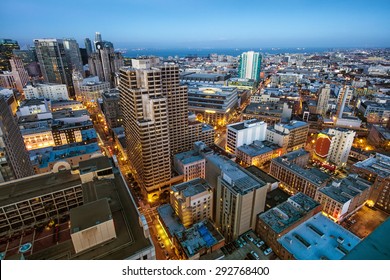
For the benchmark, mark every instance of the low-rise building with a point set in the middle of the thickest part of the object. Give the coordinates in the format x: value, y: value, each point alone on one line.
x: 277, y: 221
x: 318, y: 238
x: 291, y: 136
x: 270, y: 112
x: 202, y: 238
x: 192, y: 201
x: 111, y: 108
x: 258, y: 153
x: 379, y: 136
x: 376, y: 170
x: 46, y: 91
x: 342, y: 198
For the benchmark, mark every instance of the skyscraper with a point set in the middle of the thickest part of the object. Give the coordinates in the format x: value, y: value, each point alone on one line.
x: 344, y: 97
x: 323, y: 99
x: 6, y: 48
x: 54, y: 63
x: 340, y: 146
x: 250, y: 65
x: 145, y: 118
x: 14, y: 160
x: 105, y: 62
x: 98, y: 39
x: 155, y: 116
x: 73, y: 54
x: 88, y: 46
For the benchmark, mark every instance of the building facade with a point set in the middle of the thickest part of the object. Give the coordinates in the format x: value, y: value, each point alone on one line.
x: 46, y: 91
x: 250, y: 65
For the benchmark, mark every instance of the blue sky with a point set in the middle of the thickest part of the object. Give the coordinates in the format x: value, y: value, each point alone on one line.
x: 202, y: 23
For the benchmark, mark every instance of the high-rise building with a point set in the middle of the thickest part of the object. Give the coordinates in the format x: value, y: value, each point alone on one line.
x: 244, y: 132
x: 155, y: 117
x: 250, y: 65
x: 291, y: 136
x: 238, y: 196
x: 14, y: 160
x: 53, y: 61
x: 6, y: 48
x: 343, y: 98
x: 323, y: 99
x: 145, y: 119
x: 88, y: 46
x: 111, y: 108
x: 73, y: 54
x: 30, y: 61
x: 105, y: 62
x: 98, y: 38
x: 340, y: 145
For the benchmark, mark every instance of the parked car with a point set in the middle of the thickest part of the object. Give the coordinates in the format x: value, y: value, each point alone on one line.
x: 267, y: 251
x: 253, y: 253
x: 260, y: 243
x: 249, y: 237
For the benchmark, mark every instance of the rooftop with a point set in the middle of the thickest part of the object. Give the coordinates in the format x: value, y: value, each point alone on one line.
x: 288, y: 213
x: 191, y: 188
x: 89, y: 215
x: 319, y: 238
x: 171, y: 220
x: 189, y: 157
x: 94, y: 164
x: 380, y: 164
x: 375, y: 246
x: 346, y: 189
x: 384, y: 131
x: 264, y: 176
x: 199, y: 236
x: 246, y: 124
x: 257, y: 148
x: 294, y: 124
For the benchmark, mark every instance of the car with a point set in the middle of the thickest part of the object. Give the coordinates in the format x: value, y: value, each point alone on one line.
x: 239, y: 243
x: 249, y: 237
x: 267, y: 251
x: 260, y: 243
x: 161, y: 245
x: 242, y: 240
x: 253, y: 253
x: 158, y: 237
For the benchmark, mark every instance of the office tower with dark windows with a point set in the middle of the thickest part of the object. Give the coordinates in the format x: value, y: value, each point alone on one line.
x: 53, y: 61
x: 73, y: 54
x: 6, y: 48
x: 14, y: 160
x: 88, y: 46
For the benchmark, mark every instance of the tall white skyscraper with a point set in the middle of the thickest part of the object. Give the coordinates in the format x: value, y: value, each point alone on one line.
x: 250, y: 65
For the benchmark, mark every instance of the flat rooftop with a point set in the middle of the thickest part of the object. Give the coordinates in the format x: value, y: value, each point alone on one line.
x: 346, y: 189
x: 191, y: 188
x: 38, y: 185
x: 89, y: 215
x: 199, y: 236
x: 380, y: 164
x: 256, y: 148
x: 170, y: 219
x: 289, y: 212
x: 375, y: 246
x: 384, y: 131
x: 246, y: 124
x: 189, y: 157
x: 319, y: 238
x: 294, y: 124
x: 262, y: 175
x: 94, y: 164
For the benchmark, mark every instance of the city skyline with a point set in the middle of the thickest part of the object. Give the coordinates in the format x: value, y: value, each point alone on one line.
x: 241, y: 24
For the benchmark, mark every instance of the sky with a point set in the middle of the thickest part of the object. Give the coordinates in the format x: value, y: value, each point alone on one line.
x: 201, y: 23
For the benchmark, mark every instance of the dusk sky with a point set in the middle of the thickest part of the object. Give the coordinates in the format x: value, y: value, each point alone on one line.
x: 202, y: 23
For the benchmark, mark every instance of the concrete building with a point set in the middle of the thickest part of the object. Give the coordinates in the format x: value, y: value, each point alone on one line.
x: 46, y: 91
x: 250, y: 65
x: 201, y: 239
x: 271, y: 181
x: 73, y: 54
x: 376, y: 113
x: 244, y: 132
x: 294, y: 178
x: 318, y: 238
x: 323, y: 99
x: 14, y: 160
x: 192, y: 164
x: 89, y: 90
x: 6, y: 48
x: 379, y: 136
x: 340, y: 145
x: 155, y: 117
x: 377, y: 171
x: 291, y: 136
x: 344, y: 97
x: 278, y: 221
x: 258, y: 153
x: 111, y: 108
x: 342, y: 198
x: 212, y: 104
x: 239, y: 196
x: 192, y: 201
x: 84, y: 209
